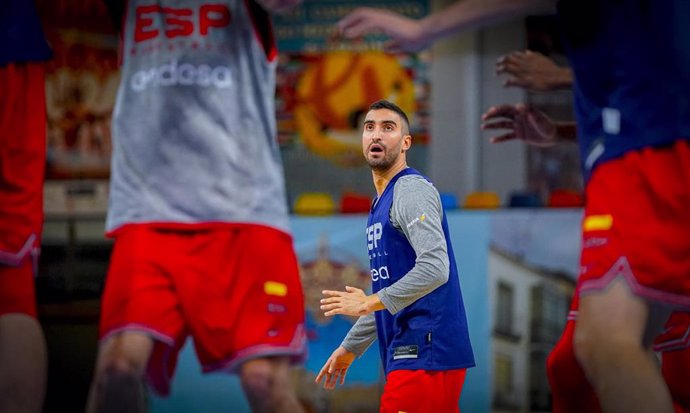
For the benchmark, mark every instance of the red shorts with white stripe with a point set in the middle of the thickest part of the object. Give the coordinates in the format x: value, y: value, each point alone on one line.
x: 676, y: 333
x: 17, y: 293
x: 422, y: 391
x: 233, y: 288
x: 637, y: 225
x: 22, y: 166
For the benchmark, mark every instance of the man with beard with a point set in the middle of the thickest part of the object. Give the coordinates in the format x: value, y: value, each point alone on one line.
x: 416, y: 308
x: 631, y: 64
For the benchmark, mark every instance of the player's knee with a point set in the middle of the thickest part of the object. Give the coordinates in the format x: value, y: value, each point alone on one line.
x: 262, y: 381
x: 595, y: 346
x: 258, y: 380
x: 118, y: 374
x: 120, y: 388
x: 120, y: 366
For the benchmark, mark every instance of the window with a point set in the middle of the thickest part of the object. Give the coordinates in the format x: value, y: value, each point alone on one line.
x: 540, y: 396
x: 503, y: 381
x: 504, y: 374
x: 504, y: 309
x: 549, y: 313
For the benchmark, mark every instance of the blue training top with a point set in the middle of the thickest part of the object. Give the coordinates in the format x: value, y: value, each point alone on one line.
x: 631, y: 60
x: 21, y: 36
x: 431, y: 333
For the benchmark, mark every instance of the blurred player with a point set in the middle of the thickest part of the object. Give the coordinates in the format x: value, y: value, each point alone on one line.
x: 570, y: 388
x: 22, y: 165
x: 198, y: 208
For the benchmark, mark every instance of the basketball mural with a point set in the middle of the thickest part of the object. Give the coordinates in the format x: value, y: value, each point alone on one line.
x: 333, y: 95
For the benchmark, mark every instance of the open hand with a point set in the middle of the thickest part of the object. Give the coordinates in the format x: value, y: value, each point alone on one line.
x: 352, y: 301
x: 524, y: 122
x: 335, y: 369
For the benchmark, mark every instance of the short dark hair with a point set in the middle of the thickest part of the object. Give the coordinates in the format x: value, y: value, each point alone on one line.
x: 384, y: 104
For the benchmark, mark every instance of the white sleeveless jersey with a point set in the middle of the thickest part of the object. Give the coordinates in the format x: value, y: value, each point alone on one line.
x: 194, y: 130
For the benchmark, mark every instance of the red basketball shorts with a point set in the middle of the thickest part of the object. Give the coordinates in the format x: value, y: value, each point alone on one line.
x: 422, y: 391
x: 17, y: 293
x: 22, y: 166
x: 637, y: 225
x: 235, y: 289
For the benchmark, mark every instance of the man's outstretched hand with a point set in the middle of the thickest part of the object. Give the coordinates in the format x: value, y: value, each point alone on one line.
x: 352, y: 301
x: 523, y: 122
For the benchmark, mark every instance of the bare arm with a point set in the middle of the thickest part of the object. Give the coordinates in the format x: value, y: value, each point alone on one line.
x: 413, y: 35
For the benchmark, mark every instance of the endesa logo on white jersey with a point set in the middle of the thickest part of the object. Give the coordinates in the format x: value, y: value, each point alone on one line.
x: 157, y: 27
x: 186, y: 74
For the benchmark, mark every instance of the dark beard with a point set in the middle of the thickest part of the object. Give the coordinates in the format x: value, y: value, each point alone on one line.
x: 381, y: 164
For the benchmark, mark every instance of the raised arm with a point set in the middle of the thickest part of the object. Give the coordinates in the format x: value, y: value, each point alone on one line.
x: 413, y: 35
